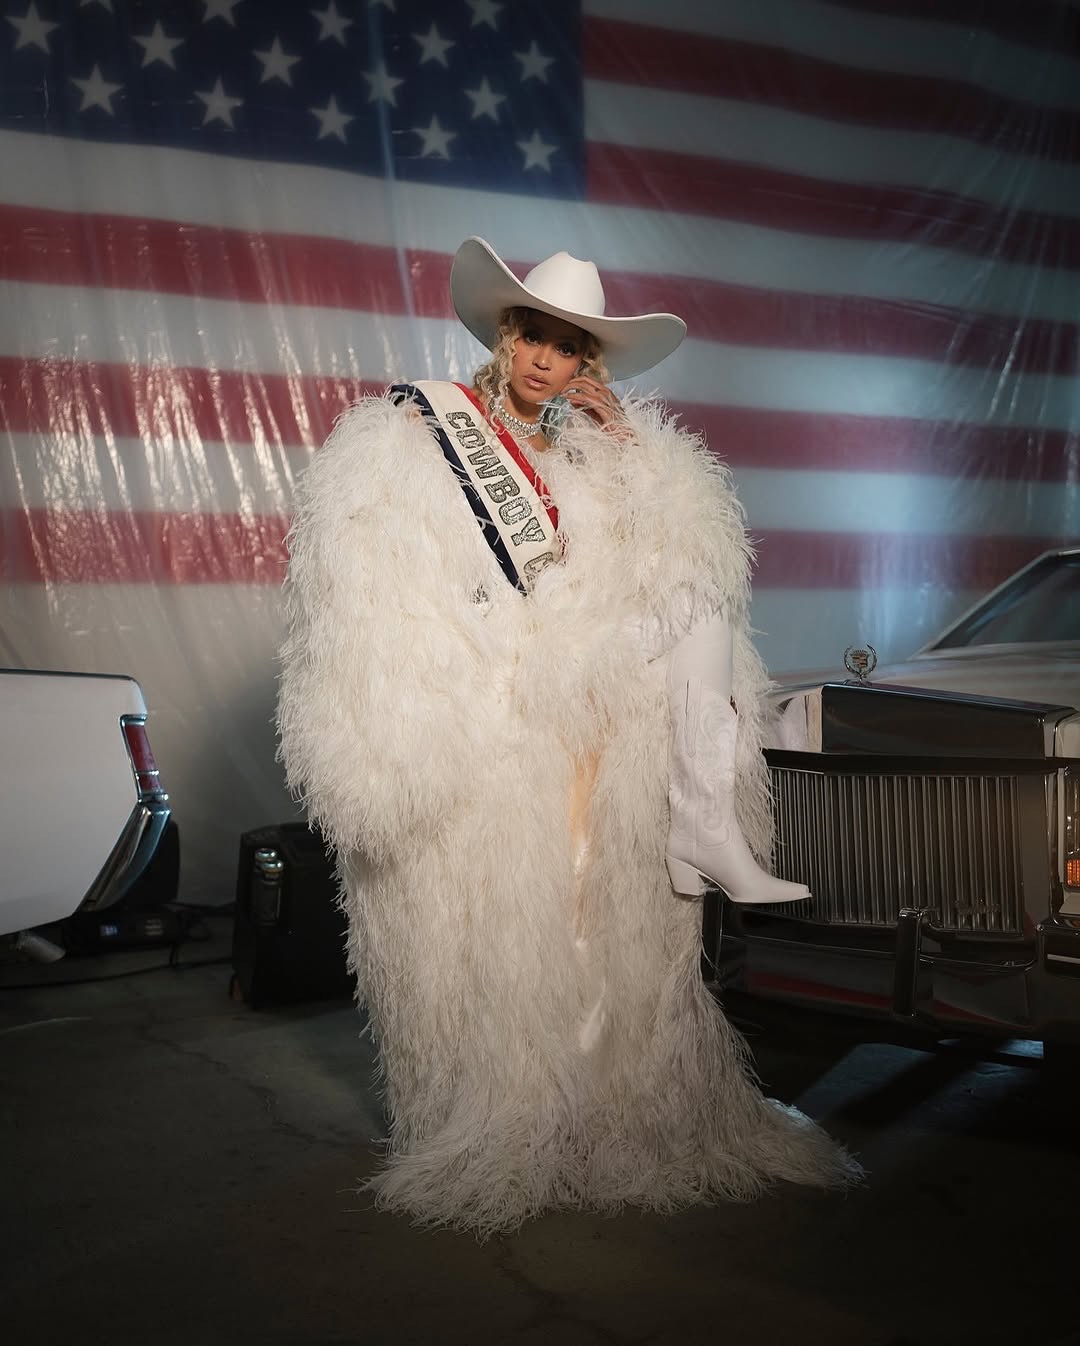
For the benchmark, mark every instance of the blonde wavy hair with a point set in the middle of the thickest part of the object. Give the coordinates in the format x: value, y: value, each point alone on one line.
x: 493, y: 378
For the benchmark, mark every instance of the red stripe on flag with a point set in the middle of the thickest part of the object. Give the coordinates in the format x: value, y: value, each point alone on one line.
x: 170, y: 257
x: 112, y: 547
x: 108, y: 547
x: 65, y: 397
x: 52, y: 247
x: 727, y: 189
x: 720, y: 67
x: 788, y: 559
x: 849, y: 325
x: 75, y: 400
x: 756, y: 437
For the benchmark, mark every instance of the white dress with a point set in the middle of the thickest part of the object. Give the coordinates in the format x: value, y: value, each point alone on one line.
x: 492, y: 770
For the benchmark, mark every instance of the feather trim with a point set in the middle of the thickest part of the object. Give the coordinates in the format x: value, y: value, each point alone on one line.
x: 432, y: 719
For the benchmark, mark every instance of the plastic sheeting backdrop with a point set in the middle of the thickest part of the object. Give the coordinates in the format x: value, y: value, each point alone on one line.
x: 223, y: 220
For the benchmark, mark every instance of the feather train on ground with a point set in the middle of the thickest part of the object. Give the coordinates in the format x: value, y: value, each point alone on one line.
x: 532, y: 981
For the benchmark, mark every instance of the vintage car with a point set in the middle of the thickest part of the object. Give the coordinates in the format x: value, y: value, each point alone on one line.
x: 933, y: 808
x: 82, y: 808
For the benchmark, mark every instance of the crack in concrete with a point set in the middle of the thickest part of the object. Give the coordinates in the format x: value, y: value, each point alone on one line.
x: 551, y: 1308
x: 267, y: 1096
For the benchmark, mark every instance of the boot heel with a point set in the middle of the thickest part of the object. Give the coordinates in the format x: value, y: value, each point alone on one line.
x: 685, y: 878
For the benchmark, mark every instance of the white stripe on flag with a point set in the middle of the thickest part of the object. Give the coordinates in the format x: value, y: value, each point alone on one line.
x: 888, y: 502
x: 129, y: 326
x: 832, y: 151
x: 816, y: 627
x: 167, y: 474
x: 160, y: 474
x: 55, y: 174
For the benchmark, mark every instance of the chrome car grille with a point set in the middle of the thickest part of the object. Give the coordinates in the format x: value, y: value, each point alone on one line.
x: 868, y: 844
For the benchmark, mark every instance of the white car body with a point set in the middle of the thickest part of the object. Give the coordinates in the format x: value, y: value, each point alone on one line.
x: 78, y: 819
x: 1047, y: 673
x: 932, y: 806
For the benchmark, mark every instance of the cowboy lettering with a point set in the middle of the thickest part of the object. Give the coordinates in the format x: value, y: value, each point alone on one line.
x: 502, y: 491
x: 517, y: 529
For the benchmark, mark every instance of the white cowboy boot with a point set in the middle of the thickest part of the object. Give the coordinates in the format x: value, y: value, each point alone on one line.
x: 705, y: 843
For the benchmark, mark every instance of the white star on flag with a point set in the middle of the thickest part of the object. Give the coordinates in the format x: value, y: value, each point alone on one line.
x: 433, y: 46
x: 276, y: 63
x: 534, y: 63
x: 332, y: 121
x: 537, y: 152
x: 96, y: 91
x: 219, y: 9
x: 485, y: 101
x: 219, y: 106
x: 158, y: 47
x: 33, y: 30
x: 436, y: 139
x: 332, y: 25
x: 383, y: 84
x: 483, y: 11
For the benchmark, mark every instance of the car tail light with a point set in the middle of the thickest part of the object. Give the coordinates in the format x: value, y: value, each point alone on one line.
x: 1072, y: 827
x: 147, y: 775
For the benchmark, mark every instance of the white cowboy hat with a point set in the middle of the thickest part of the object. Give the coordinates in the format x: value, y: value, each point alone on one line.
x: 482, y: 286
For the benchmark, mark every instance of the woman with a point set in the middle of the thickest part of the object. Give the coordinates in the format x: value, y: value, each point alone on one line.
x: 489, y: 620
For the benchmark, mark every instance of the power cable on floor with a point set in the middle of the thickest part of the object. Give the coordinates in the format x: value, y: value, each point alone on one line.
x: 194, y: 929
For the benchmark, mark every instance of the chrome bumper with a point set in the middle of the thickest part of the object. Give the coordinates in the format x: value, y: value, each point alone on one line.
x: 131, y: 854
x: 922, y: 824
x: 1031, y: 989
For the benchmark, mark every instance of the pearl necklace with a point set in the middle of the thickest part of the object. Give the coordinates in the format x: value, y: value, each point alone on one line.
x: 516, y: 426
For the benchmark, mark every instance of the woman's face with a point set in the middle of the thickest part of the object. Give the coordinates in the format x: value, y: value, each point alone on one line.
x: 547, y: 355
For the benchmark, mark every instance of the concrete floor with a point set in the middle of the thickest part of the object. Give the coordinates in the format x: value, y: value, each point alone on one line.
x: 178, y: 1168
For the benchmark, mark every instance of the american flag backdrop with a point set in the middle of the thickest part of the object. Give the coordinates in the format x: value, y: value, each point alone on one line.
x: 222, y: 220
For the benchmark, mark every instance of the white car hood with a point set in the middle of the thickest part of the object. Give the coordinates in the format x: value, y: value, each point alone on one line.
x: 1045, y: 673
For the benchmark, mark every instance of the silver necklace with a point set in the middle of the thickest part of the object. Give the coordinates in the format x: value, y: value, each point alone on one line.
x: 516, y: 426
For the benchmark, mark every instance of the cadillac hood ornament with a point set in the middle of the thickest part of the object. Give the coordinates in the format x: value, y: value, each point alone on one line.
x: 860, y: 663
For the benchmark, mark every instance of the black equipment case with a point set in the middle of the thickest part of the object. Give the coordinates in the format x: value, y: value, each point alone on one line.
x: 289, y: 935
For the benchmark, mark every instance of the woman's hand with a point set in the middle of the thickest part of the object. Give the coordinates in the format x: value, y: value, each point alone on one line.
x: 595, y: 399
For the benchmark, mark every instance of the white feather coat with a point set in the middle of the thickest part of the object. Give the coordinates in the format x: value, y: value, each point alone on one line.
x: 544, y: 1035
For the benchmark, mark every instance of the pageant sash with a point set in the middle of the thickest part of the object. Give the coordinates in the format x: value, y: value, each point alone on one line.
x: 511, y: 504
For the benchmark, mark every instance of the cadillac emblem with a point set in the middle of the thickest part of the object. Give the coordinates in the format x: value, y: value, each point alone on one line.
x: 860, y: 663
